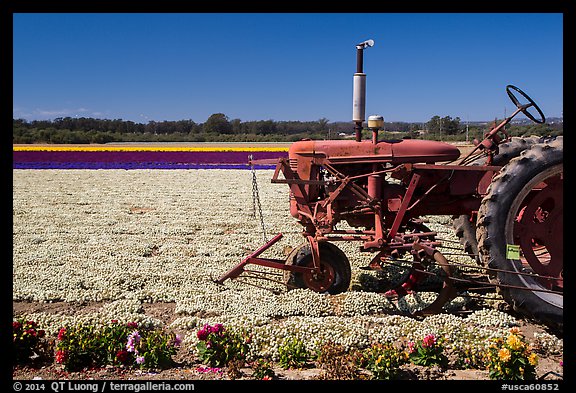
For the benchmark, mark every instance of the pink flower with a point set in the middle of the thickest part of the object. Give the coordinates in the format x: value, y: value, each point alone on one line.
x: 429, y: 341
x: 218, y: 328
x: 202, y: 369
x: 411, y: 348
x: 140, y: 359
x: 177, y: 340
x: 133, y: 340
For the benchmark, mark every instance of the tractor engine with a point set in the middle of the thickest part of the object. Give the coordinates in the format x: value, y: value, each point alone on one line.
x: 321, y: 200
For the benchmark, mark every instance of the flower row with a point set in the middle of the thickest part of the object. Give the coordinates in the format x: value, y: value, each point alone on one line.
x: 129, y: 345
x: 90, y: 345
x: 511, y: 358
x: 148, y: 147
x: 78, y: 159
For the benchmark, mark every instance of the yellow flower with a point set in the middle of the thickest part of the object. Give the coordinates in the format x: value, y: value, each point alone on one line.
x: 533, y: 359
x: 514, y: 342
x: 504, y: 354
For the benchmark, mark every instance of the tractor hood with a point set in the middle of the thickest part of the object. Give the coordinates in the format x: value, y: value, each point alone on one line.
x: 392, y: 151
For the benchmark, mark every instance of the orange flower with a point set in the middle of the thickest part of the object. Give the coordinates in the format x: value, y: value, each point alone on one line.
x: 515, y: 330
x: 504, y: 354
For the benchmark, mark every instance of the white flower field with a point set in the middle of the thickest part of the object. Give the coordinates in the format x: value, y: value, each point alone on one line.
x: 129, y: 237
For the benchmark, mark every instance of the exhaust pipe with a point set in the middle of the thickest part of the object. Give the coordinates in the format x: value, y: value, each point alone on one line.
x: 359, y: 90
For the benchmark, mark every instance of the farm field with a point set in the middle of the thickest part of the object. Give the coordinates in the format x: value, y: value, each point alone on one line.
x: 145, y: 245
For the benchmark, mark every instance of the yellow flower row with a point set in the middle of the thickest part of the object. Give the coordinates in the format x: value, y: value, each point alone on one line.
x: 146, y: 148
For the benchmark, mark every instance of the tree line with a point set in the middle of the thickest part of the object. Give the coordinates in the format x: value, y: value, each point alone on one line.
x: 219, y: 128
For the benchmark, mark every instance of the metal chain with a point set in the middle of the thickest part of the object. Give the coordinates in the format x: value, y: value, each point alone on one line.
x: 256, y: 199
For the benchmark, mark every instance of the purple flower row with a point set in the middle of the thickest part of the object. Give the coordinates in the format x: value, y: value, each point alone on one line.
x: 131, y: 165
x: 141, y: 159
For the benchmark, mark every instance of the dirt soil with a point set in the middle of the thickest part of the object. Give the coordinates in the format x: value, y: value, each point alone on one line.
x: 188, y: 367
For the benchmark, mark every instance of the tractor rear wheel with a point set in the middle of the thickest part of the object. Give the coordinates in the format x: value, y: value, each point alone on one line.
x: 335, y: 272
x: 465, y: 225
x: 520, y: 232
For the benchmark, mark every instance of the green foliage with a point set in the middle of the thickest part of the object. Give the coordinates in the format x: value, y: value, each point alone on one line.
x: 219, y: 346
x: 293, y: 353
x: 384, y: 360
x: 157, y: 348
x: 512, y: 359
x: 218, y: 128
x: 428, y: 351
x: 78, y: 347
x: 82, y: 346
x: 469, y: 356
x: 28, y: 341
x: 262, y: 369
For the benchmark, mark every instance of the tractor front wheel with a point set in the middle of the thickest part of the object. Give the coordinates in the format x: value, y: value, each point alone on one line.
x: 333, y: 277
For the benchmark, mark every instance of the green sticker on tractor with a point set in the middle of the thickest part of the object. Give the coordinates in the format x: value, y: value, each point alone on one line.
x: 512, y: 251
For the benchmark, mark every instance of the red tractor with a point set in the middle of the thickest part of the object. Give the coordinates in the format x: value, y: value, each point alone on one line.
x: 505, y: 197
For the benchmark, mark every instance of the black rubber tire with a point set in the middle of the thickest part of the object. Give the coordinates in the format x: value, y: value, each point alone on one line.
x: 495, y: 219
x: 464, y: 226
x: 329, y: 255
x: 465, y: 230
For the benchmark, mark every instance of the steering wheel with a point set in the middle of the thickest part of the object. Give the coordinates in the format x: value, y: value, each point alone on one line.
x: 524, y: 107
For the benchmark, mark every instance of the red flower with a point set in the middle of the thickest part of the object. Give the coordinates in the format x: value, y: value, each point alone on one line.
x: 202, y: 334
x: 61, y: 356
x: 132, y: 325
x: 41, y: 333
x: 123, y: 356
x: 61, y: 334
x: 16, y: 325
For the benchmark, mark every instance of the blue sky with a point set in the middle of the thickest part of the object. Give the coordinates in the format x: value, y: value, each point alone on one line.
x: 282, y: 66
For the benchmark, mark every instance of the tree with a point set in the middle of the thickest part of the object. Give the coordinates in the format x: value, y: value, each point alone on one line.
x: 433, y: 125
x: 217, y: 123
x: 322, y: 124
x: 445, y: 125
x: 236, y: 126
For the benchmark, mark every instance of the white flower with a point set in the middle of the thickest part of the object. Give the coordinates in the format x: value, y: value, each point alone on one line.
x: 126, y: 238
